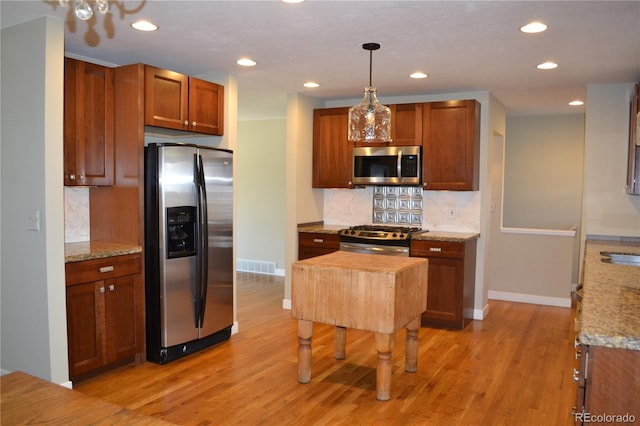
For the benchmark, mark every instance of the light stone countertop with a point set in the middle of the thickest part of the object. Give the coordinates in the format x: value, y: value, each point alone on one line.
x: 89, y: 250
x: 610, y: 314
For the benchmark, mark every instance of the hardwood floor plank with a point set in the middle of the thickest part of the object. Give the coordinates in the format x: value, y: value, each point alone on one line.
x: 512, y: 368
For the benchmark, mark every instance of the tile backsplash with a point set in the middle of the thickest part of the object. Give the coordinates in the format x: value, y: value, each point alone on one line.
x: 456, y: 211
x: 77, y: 226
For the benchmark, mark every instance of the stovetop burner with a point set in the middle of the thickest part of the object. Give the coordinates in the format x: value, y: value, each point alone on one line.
x: 378, y: 233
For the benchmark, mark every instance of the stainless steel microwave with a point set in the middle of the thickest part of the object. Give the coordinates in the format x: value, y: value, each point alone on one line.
x: 387, y: 165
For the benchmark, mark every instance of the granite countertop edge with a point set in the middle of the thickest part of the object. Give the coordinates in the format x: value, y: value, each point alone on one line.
x: 90, y: 250
x: 427, y: 235
x: 611, y: 298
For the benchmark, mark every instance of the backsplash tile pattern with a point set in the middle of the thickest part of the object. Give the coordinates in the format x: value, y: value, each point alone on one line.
x: 77, y: 226
x: 400, y: 205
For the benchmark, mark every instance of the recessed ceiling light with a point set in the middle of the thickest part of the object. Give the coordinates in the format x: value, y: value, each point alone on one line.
x: 292, y: 1
x: 533, y: 27
x: 144, y: 26
x: 246, y: 62
x: 418, y: 74
x: 311, y: 83
x: 547, y: 65
x: 576, y: 103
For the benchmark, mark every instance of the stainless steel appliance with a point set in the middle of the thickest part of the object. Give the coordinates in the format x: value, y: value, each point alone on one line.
x: 188, y: 248
x: 387, y: 165
x: 378, y: 239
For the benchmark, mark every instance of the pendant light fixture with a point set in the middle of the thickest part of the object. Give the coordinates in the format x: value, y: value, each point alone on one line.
x: 370, y: 121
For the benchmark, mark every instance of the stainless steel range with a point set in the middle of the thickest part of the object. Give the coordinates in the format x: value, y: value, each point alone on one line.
x: 378, y: 239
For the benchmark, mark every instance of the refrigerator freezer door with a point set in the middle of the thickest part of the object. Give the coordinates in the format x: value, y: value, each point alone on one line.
x: 218, y: 170
x: 177, y: 275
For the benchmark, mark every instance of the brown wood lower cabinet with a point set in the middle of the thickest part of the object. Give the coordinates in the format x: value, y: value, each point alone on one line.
x: 311, y: 244
x: 105, y: 313
x: 608, y: 385
x: 451, y: 283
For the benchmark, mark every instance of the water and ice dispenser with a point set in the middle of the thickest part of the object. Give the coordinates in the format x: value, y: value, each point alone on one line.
x: 181, y: 231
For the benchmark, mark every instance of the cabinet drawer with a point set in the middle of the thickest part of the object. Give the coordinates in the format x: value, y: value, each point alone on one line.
x: 102, y: 269
x: 425, y: 248
x: 319, y: 240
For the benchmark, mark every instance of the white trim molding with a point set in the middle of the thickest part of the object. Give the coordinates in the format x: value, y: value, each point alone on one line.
x: 563, y: 302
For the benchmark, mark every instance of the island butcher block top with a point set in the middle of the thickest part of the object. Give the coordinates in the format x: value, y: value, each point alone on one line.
x: 369, y: 292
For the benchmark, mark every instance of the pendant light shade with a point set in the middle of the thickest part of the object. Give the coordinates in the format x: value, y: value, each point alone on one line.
x: 370, y: 121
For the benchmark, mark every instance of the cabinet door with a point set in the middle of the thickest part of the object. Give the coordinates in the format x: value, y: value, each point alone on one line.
x: 123, y: 317
x: 451, y: 145
x: 85, y: 327
x: 88, y: 124
x: 406, y: 124
x: 444, y: 295
x: 633, y: 166
x: 332, y: 151
x: 166, y: 99
x: 206, y: 107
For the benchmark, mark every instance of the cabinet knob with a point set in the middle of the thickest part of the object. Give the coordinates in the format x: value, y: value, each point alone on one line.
x: 112, y: 287
x: 193, y: 124
x: 101, y: 289
x: 81, y: 177
x: 186, y: 122
x: 72, y: 177
x: 576, y: 375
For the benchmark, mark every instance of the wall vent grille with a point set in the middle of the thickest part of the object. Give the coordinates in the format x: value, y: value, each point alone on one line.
x: 256, y: 266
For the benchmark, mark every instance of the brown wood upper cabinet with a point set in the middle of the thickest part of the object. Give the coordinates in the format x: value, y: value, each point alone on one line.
x: 179, y: 102
x: 88, y: 124
x: 332, y: 151
x: 406, y: 126
x: 451, y: 145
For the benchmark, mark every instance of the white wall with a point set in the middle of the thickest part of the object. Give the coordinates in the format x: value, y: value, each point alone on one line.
x: 607, y: 209
x: 543, y: 171
x: 34, y: 333
x: 262, y: 195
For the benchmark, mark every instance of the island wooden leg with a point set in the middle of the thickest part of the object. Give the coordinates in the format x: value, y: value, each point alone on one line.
x: 411, y: 348
x: 340, y: 338
x: 305, y: 333
x: 384, y: 346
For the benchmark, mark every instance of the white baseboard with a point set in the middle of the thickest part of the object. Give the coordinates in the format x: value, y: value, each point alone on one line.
x: 480, y: 314
x: 68, y: 384
x: 286, y: 304
x: 564, y: 302
x: 234, y: 327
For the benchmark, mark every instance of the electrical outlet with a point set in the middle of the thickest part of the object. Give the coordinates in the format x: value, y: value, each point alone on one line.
x: 451, y: 213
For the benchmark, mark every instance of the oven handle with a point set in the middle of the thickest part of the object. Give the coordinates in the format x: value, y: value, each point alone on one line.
x: 389, y: 250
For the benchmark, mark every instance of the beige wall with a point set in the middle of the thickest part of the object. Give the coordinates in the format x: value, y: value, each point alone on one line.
x: 543, y: 171
x: 261, y: 191
x: 607, y: 209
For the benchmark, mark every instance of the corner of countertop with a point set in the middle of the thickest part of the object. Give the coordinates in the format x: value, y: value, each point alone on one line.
x: 89, y: 250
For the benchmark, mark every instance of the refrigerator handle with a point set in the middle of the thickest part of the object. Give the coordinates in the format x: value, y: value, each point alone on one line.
x: 203, y: 242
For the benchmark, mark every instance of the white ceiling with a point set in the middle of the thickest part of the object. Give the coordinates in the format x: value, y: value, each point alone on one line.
x: 462, y: 45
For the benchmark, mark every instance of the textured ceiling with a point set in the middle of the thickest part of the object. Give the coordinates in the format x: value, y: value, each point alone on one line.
x: 462, y: 45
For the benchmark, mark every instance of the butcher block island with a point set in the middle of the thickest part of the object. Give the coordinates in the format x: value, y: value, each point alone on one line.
x: 376, y: 293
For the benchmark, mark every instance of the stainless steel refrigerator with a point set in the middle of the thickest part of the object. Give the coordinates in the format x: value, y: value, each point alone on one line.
x: 188, y: 248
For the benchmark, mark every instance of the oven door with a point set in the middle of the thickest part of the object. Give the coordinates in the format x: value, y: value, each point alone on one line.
x: 366, y: 248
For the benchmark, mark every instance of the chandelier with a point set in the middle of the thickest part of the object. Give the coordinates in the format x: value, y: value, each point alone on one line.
x: 370, y: 121
x: 83, y: 9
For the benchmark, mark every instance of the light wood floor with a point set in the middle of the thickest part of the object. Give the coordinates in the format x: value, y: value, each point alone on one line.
x: 513, y: 368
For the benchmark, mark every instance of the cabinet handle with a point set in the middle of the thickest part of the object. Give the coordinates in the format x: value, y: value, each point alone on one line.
x: 193, y: 124
x: 112, y: 287
x: 576, y: 375
x: 318, y: 240
x: 81, y: 177
x: 186, y: 122
x: 101, y: 289
x: 106, y: 269
x: 435, y: 249
x: 72, y: 177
